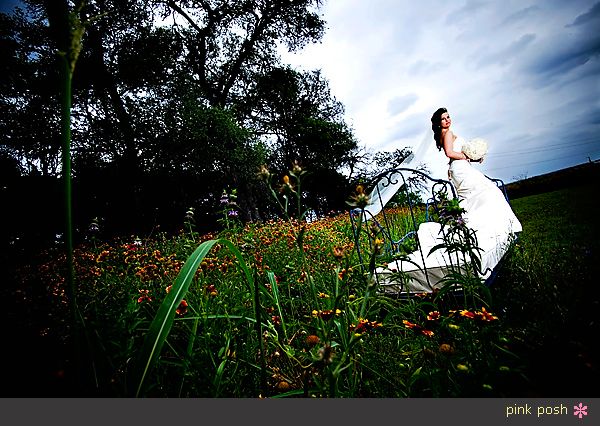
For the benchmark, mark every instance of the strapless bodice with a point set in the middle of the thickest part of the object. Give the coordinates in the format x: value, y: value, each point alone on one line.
x: 458, y: 144
x: 457, y: 147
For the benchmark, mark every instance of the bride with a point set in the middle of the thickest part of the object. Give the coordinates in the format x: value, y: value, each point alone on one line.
x: 486, y: 212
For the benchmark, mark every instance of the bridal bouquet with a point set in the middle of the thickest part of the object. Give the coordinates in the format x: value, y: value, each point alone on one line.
x: 475, y: 149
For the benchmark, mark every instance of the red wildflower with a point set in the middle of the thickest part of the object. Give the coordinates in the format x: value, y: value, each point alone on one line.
x: 427, y: 333
x: 326, y: 314
x: 409, y: 324
x: 365, y: 325
x: 467, y: 314
x: 417, y: 328
x: 144, y: 296
x: 182, y: 309
x: 484, y: 315
x: 102, y: 256
x: 433, y: 316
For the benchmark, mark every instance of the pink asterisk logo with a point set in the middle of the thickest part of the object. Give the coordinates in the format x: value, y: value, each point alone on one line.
x: 580, y: 410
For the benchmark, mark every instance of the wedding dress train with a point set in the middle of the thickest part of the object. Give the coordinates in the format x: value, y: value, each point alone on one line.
x: 486, y: 212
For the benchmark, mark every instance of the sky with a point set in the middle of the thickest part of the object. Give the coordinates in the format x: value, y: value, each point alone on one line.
x: 8, y: 5
x: 522, y: 74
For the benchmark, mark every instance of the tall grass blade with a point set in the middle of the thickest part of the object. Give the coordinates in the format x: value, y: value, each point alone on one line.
x: 162, y: 323
x: 275, y: 289
x: 67, y: 31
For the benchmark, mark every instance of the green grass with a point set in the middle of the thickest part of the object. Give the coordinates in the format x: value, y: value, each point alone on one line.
x: 549, y: 293
x: 563, y: 218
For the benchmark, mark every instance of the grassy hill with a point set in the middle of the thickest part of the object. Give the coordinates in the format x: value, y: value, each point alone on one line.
x: 548, y: 286
x: 559, y: 179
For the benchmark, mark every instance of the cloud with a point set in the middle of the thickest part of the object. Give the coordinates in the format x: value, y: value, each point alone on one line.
x: 521, y: 15
x: 400, y: 104
x: 567, y: 53
x: 592, y: 14
x: 584, y: 111
x: 559, y: 55
x: 503, y: 56
x: 521, y: 73
x: 485, y: 128
x: 422, y: 67
x: 410, y: 128
x: 471, y: 8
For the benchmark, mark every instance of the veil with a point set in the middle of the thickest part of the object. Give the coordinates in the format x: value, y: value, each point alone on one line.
x: 423, y: 153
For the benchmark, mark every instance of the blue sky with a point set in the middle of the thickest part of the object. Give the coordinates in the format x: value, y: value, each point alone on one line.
x: 525, y: 75
x: 8, y: 5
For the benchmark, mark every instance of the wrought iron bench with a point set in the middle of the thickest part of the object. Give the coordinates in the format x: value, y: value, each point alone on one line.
x: 384, y: 239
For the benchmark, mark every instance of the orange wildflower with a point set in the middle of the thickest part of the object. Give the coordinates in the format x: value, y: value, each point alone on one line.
x: 283, y: 385
x: 312, y: 340
x: 339, y: 253
x: 447, y: 349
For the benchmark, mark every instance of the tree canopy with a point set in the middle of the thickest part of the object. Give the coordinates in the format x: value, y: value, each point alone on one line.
x: 173, y: 102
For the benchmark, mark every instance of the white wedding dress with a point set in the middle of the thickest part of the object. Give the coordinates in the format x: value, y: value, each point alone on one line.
x: 486, y: 212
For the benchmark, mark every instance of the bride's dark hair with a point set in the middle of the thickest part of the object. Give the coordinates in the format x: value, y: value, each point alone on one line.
x: 436, y: 126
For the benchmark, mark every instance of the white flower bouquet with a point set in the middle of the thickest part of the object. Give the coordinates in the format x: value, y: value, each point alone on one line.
x: 475, y: 149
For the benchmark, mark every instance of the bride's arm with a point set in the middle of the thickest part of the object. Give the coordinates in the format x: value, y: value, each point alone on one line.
x: 449, y: 147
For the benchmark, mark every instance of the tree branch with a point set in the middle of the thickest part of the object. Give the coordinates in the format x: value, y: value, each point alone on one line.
x: 245, y: 51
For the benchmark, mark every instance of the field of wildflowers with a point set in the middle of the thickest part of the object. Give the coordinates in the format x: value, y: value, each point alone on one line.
x: 300, y: 325
x: 282, y: 308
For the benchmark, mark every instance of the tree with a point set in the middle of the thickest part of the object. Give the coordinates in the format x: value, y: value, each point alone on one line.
x: 28, y: 101
x: 302, y: 122
x: 230, y: 42
x: 158, y: 102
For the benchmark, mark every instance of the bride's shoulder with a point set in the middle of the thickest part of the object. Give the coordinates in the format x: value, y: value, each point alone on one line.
x: 449, y: 136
